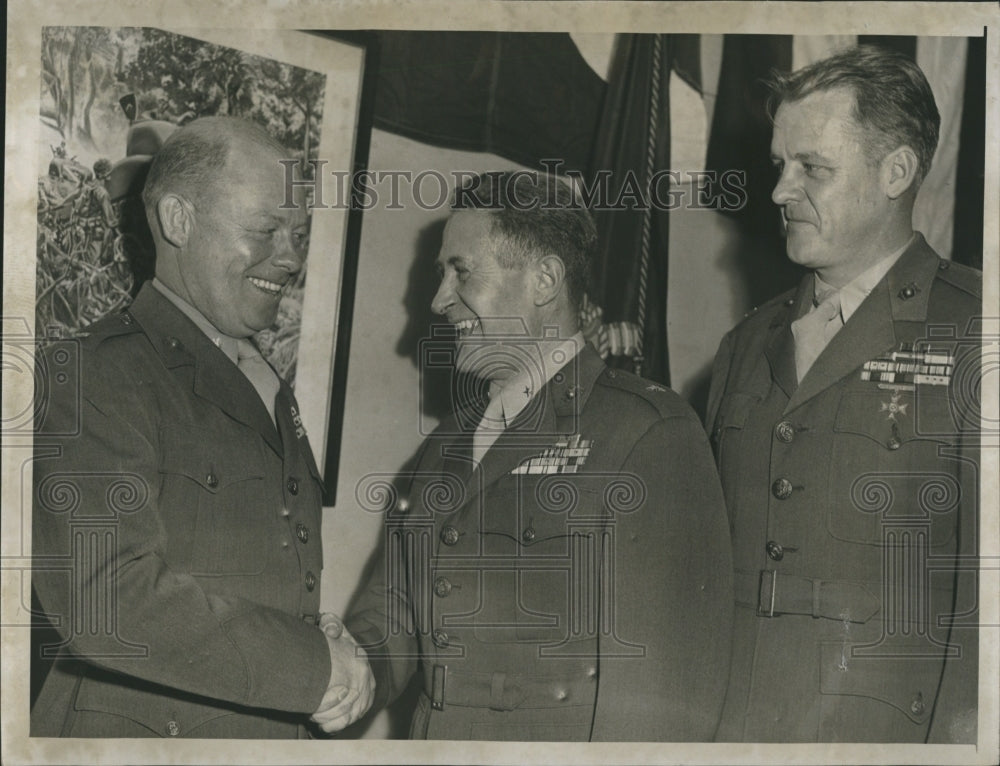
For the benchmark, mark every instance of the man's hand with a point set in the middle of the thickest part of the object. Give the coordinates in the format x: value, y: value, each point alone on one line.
x: 352, y: 685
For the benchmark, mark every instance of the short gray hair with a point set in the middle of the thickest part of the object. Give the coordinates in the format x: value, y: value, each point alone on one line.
x: 893, y: 102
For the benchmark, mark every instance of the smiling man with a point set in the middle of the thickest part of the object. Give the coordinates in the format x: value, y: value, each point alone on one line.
x: 844, y: 416
x: 559, y: 566
x: 183, y: 574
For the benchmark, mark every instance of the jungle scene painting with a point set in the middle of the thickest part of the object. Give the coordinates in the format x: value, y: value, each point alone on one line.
x: 110, y: 97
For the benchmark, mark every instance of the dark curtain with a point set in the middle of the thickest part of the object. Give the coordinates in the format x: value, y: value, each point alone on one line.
x: 740, y: 139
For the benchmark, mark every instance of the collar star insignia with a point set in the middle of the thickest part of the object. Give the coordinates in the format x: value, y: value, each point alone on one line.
x: 893, y: 406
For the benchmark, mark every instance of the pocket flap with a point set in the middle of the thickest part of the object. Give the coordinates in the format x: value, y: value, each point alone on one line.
x: 208, y: 459
x: 893, y: 418
x: 909, y: 684
x: 168, y: 716
x: 734, y: 410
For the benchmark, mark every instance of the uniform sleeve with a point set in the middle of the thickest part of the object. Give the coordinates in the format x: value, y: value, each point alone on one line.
x: 381, y: 620
x: 720, y: 376
x: 956, y: 708
x: 673, y: 595
x: 99, y: 543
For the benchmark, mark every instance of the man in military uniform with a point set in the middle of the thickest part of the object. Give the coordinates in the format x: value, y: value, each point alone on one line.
x: 559, y: 568
x: 177, y: 505
x: 844, y: 420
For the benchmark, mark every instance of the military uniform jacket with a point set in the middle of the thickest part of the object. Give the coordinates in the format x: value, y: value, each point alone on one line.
x: 852, y: 500
x: 574, y: 586
x: 175, y: 539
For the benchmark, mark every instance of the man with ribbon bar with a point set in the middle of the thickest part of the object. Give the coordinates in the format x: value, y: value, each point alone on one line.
x: 558, y: 568
x: 845, y: 416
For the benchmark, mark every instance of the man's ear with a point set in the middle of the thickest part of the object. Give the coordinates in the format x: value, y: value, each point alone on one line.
x: 899, y: 171
x: 550, y: 273
x: 176, y: 218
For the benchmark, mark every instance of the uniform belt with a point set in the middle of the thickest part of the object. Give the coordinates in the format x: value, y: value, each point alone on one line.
x: 500, y: 691
x: 772, y: 594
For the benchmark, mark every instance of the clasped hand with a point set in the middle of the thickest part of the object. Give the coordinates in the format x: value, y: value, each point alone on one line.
x: 352, y: 685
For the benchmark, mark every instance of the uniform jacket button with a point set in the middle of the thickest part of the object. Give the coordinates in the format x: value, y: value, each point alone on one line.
x: 907, y: 292
x: 449, y: 535
x: 310, y: 581
x: 442, y: 586
x: 302, y: 532
x: 893, y: 443
x: 782, y: 489
x: 212, y: 480
x: 774, y: 551
x: 292, y: 485
x: 528, y: 535
x: 173, y: 343
x: 173, y: 729
x: 917, y: 706
x: 785, y: 431
x: 440, y: 638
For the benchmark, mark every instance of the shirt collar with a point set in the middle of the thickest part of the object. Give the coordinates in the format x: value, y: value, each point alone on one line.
x: 515, y: 392
x: 227, y: 343
x: 854, y: 292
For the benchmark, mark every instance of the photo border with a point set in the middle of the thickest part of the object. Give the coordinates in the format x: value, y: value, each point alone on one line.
x: 24, y: 22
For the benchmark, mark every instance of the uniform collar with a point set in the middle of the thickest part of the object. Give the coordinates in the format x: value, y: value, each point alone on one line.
x: 894, y: 311
x: 854, y: 292
x: 181, y: 343
x: 515, y: 392
x: 227, y: 343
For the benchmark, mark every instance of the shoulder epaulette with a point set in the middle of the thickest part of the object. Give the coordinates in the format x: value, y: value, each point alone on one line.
x: 965, y: 278
x: 113, y: 325
x: 663, y: 399
x: 787, y: 298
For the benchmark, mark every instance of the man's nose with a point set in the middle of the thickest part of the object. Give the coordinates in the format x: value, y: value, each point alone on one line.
x: 288, y: 255
x: 787, y: 189
x: 443, y: 298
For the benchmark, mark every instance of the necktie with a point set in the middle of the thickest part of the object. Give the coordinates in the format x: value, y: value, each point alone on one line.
x: 813, y: 331
x: 258, y: 372
x: 489, y: 428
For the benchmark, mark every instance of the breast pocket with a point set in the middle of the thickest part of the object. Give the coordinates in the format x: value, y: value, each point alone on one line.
x: 892, y: 468
x: 547, y: 527
x: 213, y: 497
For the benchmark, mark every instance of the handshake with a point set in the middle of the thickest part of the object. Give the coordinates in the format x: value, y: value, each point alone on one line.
x: 352, y: 685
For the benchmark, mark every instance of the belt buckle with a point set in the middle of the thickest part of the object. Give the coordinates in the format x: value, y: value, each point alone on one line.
x: 765, y: 575
x: 439, y: 674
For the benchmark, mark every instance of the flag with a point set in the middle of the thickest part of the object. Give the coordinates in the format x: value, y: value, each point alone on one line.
x: 525, y: 97
x: 625, y: 314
